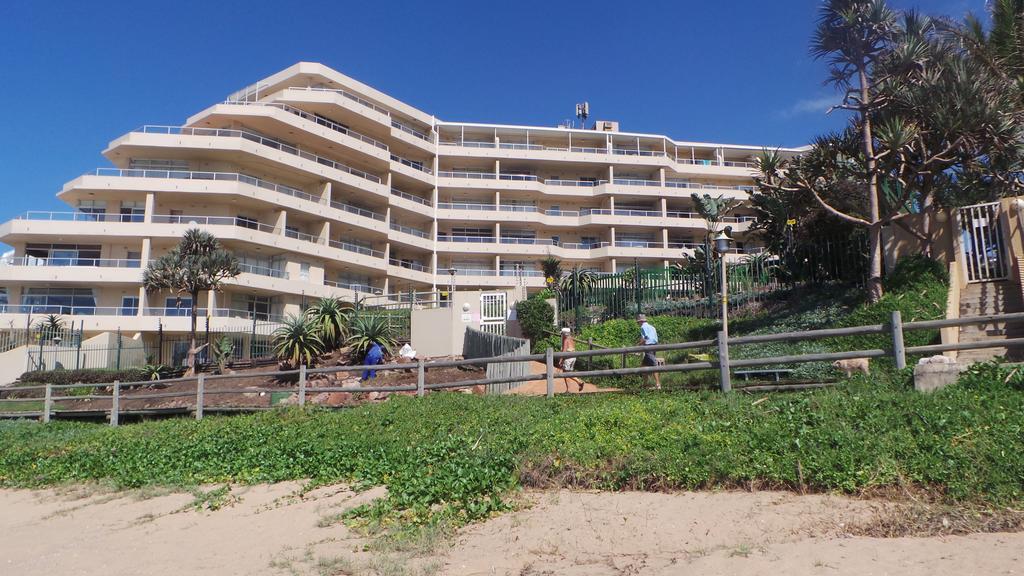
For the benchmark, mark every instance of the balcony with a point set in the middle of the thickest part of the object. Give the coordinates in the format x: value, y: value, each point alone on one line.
x: 315, y: 119
x: 262, y: 140
x: 84, y: 262
x: 348, y: 246
x: 357, y: 211
x: 411, y: 265
x: 409, y: 230
x: 262, y: 270
x: 355, y: 287
x: 411, y: 197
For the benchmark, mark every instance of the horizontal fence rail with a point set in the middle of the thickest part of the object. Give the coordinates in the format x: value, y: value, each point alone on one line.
x: 199, y: 392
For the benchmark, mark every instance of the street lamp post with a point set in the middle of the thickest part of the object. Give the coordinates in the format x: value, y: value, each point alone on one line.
x: 451, y: 286
x: 722, y: 242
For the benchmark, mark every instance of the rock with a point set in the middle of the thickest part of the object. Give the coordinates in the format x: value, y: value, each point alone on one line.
x: 350, y: 382
x: 373, y: 396
x: 291, y: 400
x: 930, y: 377
x: 320, y: 398
x: 940, y: 359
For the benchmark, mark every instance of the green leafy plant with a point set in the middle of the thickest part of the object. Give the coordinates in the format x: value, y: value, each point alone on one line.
x: 50, y: 327
x: 365, y: 328
x: 536, y: 319
x: 154, y: 371
x: 552, y: 268
x: 298, y: 341
x: 85, y: 376
x: 223, y: 351
x: 330, y: 316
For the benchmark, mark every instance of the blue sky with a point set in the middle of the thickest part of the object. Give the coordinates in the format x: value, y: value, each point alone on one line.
x: 78, y: 74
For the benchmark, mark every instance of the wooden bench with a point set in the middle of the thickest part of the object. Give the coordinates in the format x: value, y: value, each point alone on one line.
x: 776, y: 373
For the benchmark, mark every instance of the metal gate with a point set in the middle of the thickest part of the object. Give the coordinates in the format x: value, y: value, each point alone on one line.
x: 493, y: 311
x: 981, y: 243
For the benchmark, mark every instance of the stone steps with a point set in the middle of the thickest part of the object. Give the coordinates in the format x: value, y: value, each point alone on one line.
x: 987, y: 298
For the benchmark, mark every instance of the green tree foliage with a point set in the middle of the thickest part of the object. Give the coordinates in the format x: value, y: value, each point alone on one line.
x: 330, y: 316
x: 365, y: 328
x: 223, y: 351
x: 197, y: 264
x: 536, y: 319
x: 298, y: 341
x: 929, y: 124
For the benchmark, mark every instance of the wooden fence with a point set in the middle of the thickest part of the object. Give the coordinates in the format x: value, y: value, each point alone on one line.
x: 722, y: 364
x: 480, y: 344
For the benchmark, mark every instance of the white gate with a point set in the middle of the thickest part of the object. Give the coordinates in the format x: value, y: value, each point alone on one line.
x: 981, y: 243
x: 493, y: 311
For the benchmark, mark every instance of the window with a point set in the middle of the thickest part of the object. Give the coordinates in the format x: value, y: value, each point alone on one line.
x: 60, y: 300
x: 133, y: 211
x: 291, y: 231
x: 129, y: 305
x: 304, y: 271
x: 63, y: 254
x: 177, y: 307
x: 95, y: 208
x: 3, y: 298
x: 589, y: 241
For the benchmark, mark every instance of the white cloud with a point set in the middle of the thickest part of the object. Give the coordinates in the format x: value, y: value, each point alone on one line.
x: 818, y: 105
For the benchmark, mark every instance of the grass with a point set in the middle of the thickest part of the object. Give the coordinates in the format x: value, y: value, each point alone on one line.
x: 17, y: 406
x: 448, y: 459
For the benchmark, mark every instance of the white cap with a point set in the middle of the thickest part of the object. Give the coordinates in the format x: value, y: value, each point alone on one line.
x: 566, y: 330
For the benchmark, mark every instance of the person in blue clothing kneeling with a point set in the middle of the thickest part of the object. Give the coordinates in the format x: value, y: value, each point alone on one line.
x: 374, y: 356
x: 648, y: 337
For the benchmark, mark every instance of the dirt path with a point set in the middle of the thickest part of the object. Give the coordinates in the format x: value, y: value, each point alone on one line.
x: 268, y: 530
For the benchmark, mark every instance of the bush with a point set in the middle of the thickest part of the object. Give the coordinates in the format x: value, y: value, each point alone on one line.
x: 85, y: 376
x: 916, y: 270
x: 536, y: 319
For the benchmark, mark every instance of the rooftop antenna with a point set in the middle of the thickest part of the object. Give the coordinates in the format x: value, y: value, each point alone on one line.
x: 582, y: 111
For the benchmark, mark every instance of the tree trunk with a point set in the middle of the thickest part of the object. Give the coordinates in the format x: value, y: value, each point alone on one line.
x: 190, y: 362
x: 928, y: 210
x: 875, y: 231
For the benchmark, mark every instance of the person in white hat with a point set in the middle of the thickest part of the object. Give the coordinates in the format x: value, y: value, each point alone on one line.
x: 567, y: 364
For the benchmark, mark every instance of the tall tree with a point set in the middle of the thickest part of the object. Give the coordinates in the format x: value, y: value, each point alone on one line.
x: 852, y: 35
x: 198, y: 263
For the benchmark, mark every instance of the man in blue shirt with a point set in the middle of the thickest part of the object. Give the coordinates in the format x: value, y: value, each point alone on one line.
x: 374, y: 356
x: 648, y: 337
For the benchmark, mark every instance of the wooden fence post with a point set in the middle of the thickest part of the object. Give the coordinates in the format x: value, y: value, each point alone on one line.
x: 899, y: 352
x: 623, y: 359
x: 200, y: 385
x: 420, y: 377
x: 47, y: 402
x: 115, y: 404
x: 590, y: 346
x: 549, y: 370
x: 302, y: 385
x: 723, y: 362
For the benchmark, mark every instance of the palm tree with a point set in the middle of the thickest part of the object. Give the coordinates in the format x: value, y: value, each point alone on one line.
x: 198, y: 263
x: 298, y: 341
x: 552, y: 268
x: 330, y: 316
x: 50, y: 327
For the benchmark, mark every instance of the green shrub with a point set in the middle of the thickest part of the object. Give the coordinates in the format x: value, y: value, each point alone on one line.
x: 298, y: 341
x: 85, y: 376
x: 457, y: 456
x: 536, y: 319
x: 365, y: 329
x: 914, y: 270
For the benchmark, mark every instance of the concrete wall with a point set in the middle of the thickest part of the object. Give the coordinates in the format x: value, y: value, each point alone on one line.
x: 441, y: 331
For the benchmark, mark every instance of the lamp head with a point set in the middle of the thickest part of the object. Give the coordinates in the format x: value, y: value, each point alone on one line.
x: 722, y: 242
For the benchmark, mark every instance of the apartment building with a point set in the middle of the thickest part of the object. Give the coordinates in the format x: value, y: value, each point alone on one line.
x: 323, y: 186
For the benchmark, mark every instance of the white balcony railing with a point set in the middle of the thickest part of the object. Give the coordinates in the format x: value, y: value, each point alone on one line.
x: 410, y: 264
x: 467, y: 239
x: 467, y: 206
x: 86, y: 262
x: 355, y: 287
x: 262, y: 270
x: 409, y: 230
x: 635, y: 182
x: 357, y: 210
x: 356, y: 248
x: 411, y: 197
x: 213, y: 221
x: 269, y: 142
x: 315, y: 118
x: 414, y: 164
x: 218, y: 176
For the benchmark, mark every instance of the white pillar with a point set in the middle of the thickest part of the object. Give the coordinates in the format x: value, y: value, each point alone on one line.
x: 150, y: 206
